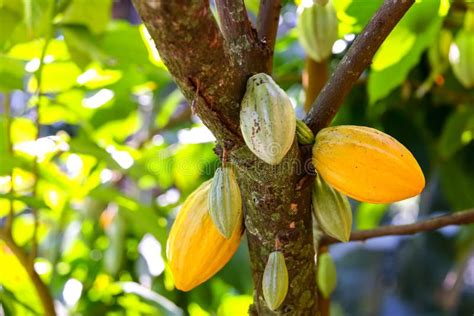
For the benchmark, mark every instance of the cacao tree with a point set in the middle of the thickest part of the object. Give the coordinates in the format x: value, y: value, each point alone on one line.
x: 106, y: 199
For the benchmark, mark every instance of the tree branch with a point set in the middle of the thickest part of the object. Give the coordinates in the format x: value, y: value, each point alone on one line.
x: 458, y: 218
x: 354, y: 62
x: 235, y: 25
x: 192, y: 47
x: 267, y: 25
x: 41, y: 289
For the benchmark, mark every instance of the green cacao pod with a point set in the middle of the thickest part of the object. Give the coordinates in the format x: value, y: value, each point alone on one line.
x: 366, y: 164
x: 304, y: 135
x: 195, y: 249
x: 326, y: 275
x: 318, y: 29
x: 332, y: 210
x: 275, y: 280
x: 225, y: 201
x: 267, y: 119
x: 461, y: 53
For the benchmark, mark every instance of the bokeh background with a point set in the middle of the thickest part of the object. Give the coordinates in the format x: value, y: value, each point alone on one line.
x: 83, y: 92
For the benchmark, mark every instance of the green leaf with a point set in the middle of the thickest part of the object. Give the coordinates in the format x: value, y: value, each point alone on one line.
x: 402, y: 49
x: 94, y: 15
x: 368, y: 215
x: 457, y: 179
x: 353, y: 15
x: 29, y: 50
x: 56, y: 77
x: 326, y: 275
x: 9, y: 20
x: 38, y: 15
x: 457, y: 132
x: 11, y: 73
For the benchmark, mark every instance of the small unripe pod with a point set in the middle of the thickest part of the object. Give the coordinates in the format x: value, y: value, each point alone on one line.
x: 318, y: 30
x: 267, y: 119
x: 275, y: 280
x: 326, y: 275
x: 225, y: 201
x: 304, y: 135
x: 332, y: 210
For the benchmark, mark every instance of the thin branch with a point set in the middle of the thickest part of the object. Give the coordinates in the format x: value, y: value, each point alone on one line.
x: 354, y: 62
x: 458, y: 218
x: 235, y: 23
x: 267, y: 25
x: 8, y: 137
x: 34, y: 245
x: 41, y: 289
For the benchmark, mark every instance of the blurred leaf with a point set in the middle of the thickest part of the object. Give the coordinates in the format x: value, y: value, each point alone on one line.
x: 38, y: 16
x: 30, y: 50
x: 17, y: 281
x: 11, y: 73
x: 457, y: 179
x: 402, y: 49
x: 458, y: 131
x: 22, y: 130
x: 353, y: 15
x: 9, y: 19
x: 368, y: 215
x: 56, y: 77
x: 7, y: 163
x: 94, y: 15
x: 235, y: 305
x: 142, y: 219
x: 168, y: 107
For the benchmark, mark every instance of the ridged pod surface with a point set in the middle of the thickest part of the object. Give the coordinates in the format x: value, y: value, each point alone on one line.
x: 267, y: 119
x: 461, y: 56
x: 275, y: 280
x: 195, y: 248
x: 326, y: 275
x: 318, y: 30
x: 332, y: 210
x: 366, y: 164
x: 304, y: 135
x: 225, y: 201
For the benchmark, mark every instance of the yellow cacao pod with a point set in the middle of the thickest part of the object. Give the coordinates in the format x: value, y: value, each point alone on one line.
x: 225, y: 201
x: 461, y: 54
x: 195, y: 248
x: 317, y: 29
x: 332, y: 210
x: 267, y: 119
x: 366, y: 164
x: 304, y: 135
x: 327, y: 276
x: 275, y: 280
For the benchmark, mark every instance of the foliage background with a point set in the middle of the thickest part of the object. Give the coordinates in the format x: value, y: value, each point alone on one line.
x: 118, y: 150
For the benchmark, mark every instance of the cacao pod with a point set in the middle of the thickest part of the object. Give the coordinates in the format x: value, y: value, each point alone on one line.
x: 195, y: 248
x: 304, y: 135
x: 275, y: 280
x: 332, y: 210
x: 366, y: 164
x: 461, y: 53
x: 225, y: 201
x: 317, y: 30
x: 326, y: 275
x: 267, y: 119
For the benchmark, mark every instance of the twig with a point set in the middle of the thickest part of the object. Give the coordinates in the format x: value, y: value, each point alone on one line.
x: 458, y: 218
x: 354, y: 62
x: 267, y: 25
